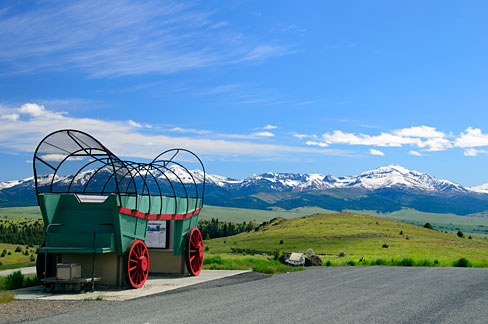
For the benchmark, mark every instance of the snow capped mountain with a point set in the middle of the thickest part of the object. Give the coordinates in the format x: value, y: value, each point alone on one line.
x: 392, y: 176
x: 481, y: 188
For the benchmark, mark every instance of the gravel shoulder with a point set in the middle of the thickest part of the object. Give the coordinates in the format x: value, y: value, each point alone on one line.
x: 24, y: 310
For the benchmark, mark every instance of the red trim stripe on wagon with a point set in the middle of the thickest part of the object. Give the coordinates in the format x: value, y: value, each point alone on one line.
x: 136, y: 213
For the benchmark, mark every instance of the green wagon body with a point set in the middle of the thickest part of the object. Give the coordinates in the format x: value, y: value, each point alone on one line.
x: 78, y: 221
x: 92, y: 202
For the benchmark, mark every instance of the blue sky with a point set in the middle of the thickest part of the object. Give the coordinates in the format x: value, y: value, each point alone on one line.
x: 252, y: 86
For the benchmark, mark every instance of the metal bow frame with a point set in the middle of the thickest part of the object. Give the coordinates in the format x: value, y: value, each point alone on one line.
x: 73, y: 162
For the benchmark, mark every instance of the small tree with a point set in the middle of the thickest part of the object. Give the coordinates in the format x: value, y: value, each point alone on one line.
x: 428, y: 225
x: 281, y: 241
x: 460, y: 234
x: 18, y: 249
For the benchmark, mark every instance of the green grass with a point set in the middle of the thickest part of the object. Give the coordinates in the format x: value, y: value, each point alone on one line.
x: 359, y: 236
x: 257, y: 263
x: 474, y: 224
x: 91, y: 298
x: 6, y: 296
x: 16, y: 259
x: 23, y: 213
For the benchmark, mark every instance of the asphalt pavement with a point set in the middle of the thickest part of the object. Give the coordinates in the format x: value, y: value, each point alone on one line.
x: 29, y: 270
x: 319, y: 295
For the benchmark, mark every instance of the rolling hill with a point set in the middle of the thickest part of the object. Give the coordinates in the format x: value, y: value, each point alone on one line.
x: 356, y: 235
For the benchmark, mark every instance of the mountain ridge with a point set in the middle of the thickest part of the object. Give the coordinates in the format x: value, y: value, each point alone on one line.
x: 386, y: 189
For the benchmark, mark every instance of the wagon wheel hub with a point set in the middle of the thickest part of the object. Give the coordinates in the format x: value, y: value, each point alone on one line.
x: 143, y: 264
x: 200, y: 251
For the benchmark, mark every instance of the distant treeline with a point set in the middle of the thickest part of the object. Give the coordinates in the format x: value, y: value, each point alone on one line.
x: 215, y: 229
x: 32, y: 233
x: 25, y: 233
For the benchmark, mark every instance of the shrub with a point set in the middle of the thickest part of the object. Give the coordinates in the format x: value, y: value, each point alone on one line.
x: 460, y: 234
x: 406, y: 262
x: 407, y: 238
x: 380, y: 262
x: 276, y: 254
x: 462, y: 262
x: 207, y: 248
x: 328, y: 263
x: 428, y: 225
x: 14, y: 281
x: 436, y: 262
x: 351, y: 263
x: 281, y: 241
x: 424, y: 263
x: 32, y: 258
x: 470, y: 237
x: 9, y: 253
x: 18, y: 249
x: 385, y: 246
x: 401, y: 232
x: 342, y: 254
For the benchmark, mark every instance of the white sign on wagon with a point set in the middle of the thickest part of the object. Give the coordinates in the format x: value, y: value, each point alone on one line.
x: 156, y: 234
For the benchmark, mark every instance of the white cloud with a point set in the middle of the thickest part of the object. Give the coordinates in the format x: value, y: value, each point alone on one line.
x: 190, y: 130
x: 415, y: 153
x: 376, y: 152
x: 474, y: 152
x: 270, y: 127
x: 121, y: 138
x: 134, y: 124
x: 60, y: 157
x: 427, y: 138
x: 321, y: 144
x: 32, y: 109
x: 12, y: 117
x: 471, y: 137
x: 301, y: 136
x: 384, y: 139
x: 264, y: 134
x: 420, y: 131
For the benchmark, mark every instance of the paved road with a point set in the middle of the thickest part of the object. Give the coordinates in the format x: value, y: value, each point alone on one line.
x: 321, y: 295
x: 28, y: 270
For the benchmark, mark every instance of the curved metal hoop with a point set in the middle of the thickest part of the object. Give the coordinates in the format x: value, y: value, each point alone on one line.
x: 62, y: 148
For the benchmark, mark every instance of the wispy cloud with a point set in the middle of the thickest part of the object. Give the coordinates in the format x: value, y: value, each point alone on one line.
x: 189, y: 130
x: 127, y: 138
x: 118, y: 38
x: 415, y: 153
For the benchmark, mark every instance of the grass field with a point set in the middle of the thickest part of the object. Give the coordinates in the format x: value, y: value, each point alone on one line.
x: 358, y: 236
x: 21, y: 213
x: 475, y: 224
x: 16, y: 259
x: 239, y: 215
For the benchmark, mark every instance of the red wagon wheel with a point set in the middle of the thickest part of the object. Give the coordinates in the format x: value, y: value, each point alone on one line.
x: 194, y: 252
x: 137, y: 264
